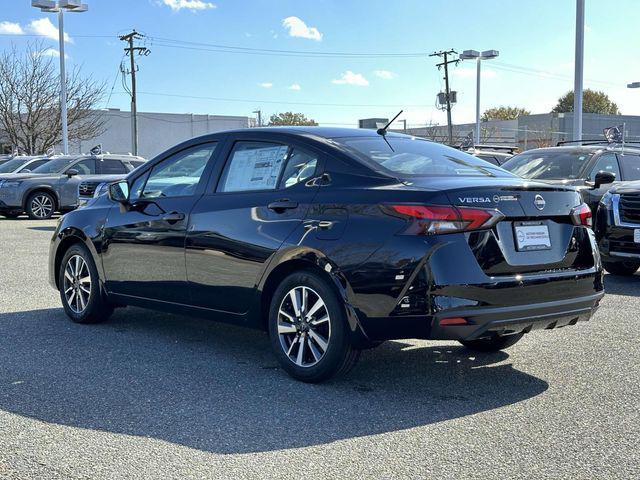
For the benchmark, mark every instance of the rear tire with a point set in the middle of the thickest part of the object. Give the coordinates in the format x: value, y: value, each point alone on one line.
x: 40, y: 206
x: 79, y: 284
x: 626, y: 268
x: 308, y: 329
x: 492, y: 344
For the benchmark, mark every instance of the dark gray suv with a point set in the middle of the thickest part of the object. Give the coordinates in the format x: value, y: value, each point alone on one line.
x: 54, y: 186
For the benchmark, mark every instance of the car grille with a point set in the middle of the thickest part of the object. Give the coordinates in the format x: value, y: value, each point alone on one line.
x: 630, y: 207
x: 87, y: 189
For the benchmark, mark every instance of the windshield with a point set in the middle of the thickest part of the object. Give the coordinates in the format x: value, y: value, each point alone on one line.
x: 11, y: 165
x: 410, y: 156
x: 55, y: 166
x: 548, y: 165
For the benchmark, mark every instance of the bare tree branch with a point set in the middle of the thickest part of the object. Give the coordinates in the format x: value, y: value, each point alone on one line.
x: 30, y: 101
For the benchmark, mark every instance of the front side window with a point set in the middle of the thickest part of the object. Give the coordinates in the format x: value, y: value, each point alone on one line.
x: 56, y: 165
x: 630, y: 166
x: 548, y: 165
x: 85, y: 167
x: 608, y: 162
x: 109, y: 166
x: 253, y: 166
x: 417, y: 157
x: 178, y: 175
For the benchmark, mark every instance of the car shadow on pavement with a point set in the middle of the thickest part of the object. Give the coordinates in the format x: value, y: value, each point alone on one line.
x: 217, y: 387
x: 622, y: 285
x: 43, y: 229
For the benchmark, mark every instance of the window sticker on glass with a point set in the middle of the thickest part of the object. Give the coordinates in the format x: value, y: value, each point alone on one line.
x: 255, y: 168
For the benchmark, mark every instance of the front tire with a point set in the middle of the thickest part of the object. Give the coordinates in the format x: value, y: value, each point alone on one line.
x: 308, y: 329
x: 626, y: 268
x: 494, y: 343
x: 79, y: 284
x: 40, y: 206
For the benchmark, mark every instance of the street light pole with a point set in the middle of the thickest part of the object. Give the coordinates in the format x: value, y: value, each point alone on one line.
x: 578, y: 76
x: 52, y: 6
x: 486, y: 55
x: 63, y: 86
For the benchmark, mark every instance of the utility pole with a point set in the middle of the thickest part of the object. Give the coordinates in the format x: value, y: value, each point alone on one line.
x: 578, y: 74
x: 131, y: 50
x: 445, y: 55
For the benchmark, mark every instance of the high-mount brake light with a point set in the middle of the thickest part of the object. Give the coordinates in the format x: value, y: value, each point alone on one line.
x: 581, y: 215
x: 438, y: 219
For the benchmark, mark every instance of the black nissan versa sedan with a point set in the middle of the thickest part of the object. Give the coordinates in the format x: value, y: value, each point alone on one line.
x: 332, y: 240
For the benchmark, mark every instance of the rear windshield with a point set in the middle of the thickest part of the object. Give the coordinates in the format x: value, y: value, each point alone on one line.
x: 55, y: 166
x: 550, y: 165
x: 409, y: 156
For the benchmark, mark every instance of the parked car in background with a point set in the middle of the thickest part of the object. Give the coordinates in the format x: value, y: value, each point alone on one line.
x: 22, y: 164
x: 332, y: 240
x: 617, y: 227
x: 579, y: 166
x: 496, y: 154
x: 53, y: 187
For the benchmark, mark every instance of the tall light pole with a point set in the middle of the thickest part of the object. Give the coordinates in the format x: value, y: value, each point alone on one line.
x: 474, y: 54
x: 579, y: 71
x: 52, y: 6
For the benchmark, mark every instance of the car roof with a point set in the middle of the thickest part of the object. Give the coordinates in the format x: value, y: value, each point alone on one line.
x: 585, y: 149
x: 323, y: 132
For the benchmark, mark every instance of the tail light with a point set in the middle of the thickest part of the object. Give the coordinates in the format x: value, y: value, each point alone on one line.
x: 581, y: 215
x: 432, y: 219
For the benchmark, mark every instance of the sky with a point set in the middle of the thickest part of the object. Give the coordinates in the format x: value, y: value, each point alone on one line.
x: 340, y: 60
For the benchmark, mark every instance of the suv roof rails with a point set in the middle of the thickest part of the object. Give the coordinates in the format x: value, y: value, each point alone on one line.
x: 594, y: 142
x: 506, y: 148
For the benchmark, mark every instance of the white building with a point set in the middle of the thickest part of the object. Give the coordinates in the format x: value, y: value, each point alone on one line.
x: 156, y: 131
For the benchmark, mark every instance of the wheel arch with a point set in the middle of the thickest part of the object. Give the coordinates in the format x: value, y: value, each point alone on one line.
x: 314, y: 261
x: 41, y: 188
x: 68, y: 238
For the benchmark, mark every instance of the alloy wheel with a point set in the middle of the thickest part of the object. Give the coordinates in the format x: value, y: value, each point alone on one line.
x: 304, y: 326
x: 77, y: 283
x: 42, y: 206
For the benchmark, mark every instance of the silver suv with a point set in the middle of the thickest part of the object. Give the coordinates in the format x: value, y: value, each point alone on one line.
x: 54, y: 186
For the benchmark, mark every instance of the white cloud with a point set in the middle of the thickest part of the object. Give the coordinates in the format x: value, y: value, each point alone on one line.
x: 295, y: 86
x: 385, y: 74
x: 10, y: 28
x: 350, y: 78
x: 266, y: 84
x: 192, y: 5
x: 297, y: 28
x: 45, y: 28
x: 472, y: 73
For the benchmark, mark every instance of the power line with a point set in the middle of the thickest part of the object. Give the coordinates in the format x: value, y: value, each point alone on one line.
x: 275, y: 102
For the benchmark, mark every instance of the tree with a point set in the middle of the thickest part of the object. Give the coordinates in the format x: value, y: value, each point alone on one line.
x: 30, y: 101
x: 503, y: 113
x: 290, y: 118
x: 592, y: 102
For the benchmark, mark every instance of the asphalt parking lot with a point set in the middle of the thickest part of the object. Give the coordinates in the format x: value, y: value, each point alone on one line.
x: 150, y: 395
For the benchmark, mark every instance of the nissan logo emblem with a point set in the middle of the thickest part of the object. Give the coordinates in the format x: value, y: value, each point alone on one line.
x: 539, y: 202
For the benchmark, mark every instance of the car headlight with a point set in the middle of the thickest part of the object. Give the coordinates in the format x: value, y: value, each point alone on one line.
x: 607, y: 199
x: 9, y: 183
x: 100, y: 189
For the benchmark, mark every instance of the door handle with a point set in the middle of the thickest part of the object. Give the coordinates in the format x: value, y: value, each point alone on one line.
x: 281, y: 205
x: 173, y: 217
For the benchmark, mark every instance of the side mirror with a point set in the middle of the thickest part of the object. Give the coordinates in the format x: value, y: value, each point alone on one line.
x: 119, y: 191
x: 72, y: 172
x: 602, y: 178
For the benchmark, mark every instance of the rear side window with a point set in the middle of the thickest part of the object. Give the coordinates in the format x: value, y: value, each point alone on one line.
x: 35, y: 164
x: 630, y: 166
x: 109, y: 166
x: 85, y: 167
x: 253, y: 166
x: 409, y: 156
x: 300, y: 166
x: 607, y: 162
